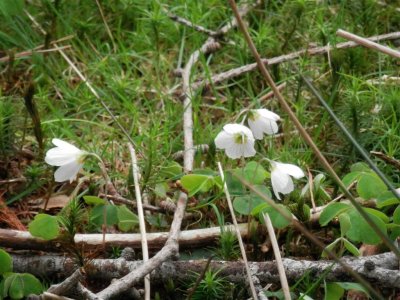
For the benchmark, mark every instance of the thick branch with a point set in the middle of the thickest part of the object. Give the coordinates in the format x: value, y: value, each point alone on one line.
x: 16, y: 239
x: 381, y: 270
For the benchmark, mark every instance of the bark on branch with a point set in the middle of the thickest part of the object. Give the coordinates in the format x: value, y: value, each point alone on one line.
x: 16, y: 239
x: 381, y: 270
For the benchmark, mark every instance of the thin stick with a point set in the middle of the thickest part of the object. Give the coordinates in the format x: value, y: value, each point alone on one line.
x: 278, y: 258
x: 311, y: 189
x: 31, y: 52
x: 106, y: 25
x: 190, y: 24
x: 304, y: 133
x: 239, y: 237
x: 142, y: 224
x: 367, y: 43
x: 232, y: 73
x: 271, y: 94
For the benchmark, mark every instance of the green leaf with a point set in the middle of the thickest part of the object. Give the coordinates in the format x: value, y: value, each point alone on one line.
x: 345, y: 223
x: 254, y: 173
x: 16, y: 289
x: 360, y: 167
x: 394, y: 230
x: 5, y: 262
x: 351, y: 248
x: 127, y: 220
x: 360, y: 230
x: 330, y: 247
x: 18, y: 286
x: 263, y: 190
x: 171, y: 170
x: 352, y: 286
x: 195, y: 183
x: 278, y: 220
x: 331, y: 211
x: 99, y: 212
x: 377, y: 213
x: 385, y: 199
x: 235, y: 187
x: 44, y: 226
x: 350, y: 178
x: 396, y: 215
x: 93, y: 200
x: 333, y: 291
x: 370, y: 186
x: 161, y: 189
x: 245, y: 204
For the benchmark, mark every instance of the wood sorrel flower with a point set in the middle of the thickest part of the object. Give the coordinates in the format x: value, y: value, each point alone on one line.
x: 262, y: 121
x: 67, y: 157
x: 237, y: 140
x: 280, y: 177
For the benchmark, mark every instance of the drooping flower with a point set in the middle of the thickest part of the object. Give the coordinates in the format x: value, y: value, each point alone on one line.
x: 237, y: 141
x: 280, y: 177
x: 67, y: 157
x: 262, y: 121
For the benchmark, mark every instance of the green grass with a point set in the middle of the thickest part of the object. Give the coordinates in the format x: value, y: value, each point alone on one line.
x: 133, y: 73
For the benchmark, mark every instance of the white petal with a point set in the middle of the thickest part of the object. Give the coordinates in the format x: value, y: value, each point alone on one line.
x: 238, y: 128
x: 271, y: 127
x: 58, y: 157
x: 257, y: 130
x: 281, y: 183
x: 224, y: 140
x: 267, y: 114
x: 249, y: 150
x: 235, y: 151
x: 67, y: 172
x: 63, y: 144
x: 290, y: 169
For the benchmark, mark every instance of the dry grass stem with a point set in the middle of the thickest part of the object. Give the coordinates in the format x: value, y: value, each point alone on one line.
x: 239, y: 237
x: 278, y: 258
x: 142, y: 223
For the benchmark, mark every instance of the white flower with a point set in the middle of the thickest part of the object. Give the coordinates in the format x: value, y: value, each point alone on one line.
x: 237, y: 140
x: 262, y: 121
x: 280, y: 177
x: 67, y: 157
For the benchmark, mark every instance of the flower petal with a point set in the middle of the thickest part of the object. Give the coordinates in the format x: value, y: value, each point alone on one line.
x: 67, y: 172
x: 249, y: 150
x: 235, y: 151
x: 267, y: 114
x: 64, y: 144
x: 290, y: 169
x: 224, y: 140
x: 281, y: 183
x: 256, y: 129
x: 238, y: 128
x: 58, y: 157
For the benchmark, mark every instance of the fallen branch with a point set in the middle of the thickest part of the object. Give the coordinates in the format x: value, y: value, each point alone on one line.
x: 367, y: 43
x: 381, y: 269
x: 16, y: 239
x: 235, y: 72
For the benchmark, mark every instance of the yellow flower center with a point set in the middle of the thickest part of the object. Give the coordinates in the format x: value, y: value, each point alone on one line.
x: 253, y: 115
x: 240, y: 138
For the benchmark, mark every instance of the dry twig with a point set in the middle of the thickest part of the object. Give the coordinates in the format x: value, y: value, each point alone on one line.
x: 235, y: 72
x: 142, y: 223
x: 367, y: 43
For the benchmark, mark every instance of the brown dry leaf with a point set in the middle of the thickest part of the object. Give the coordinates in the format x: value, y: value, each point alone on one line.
x: 8, y: 216
x: 56, y: 201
